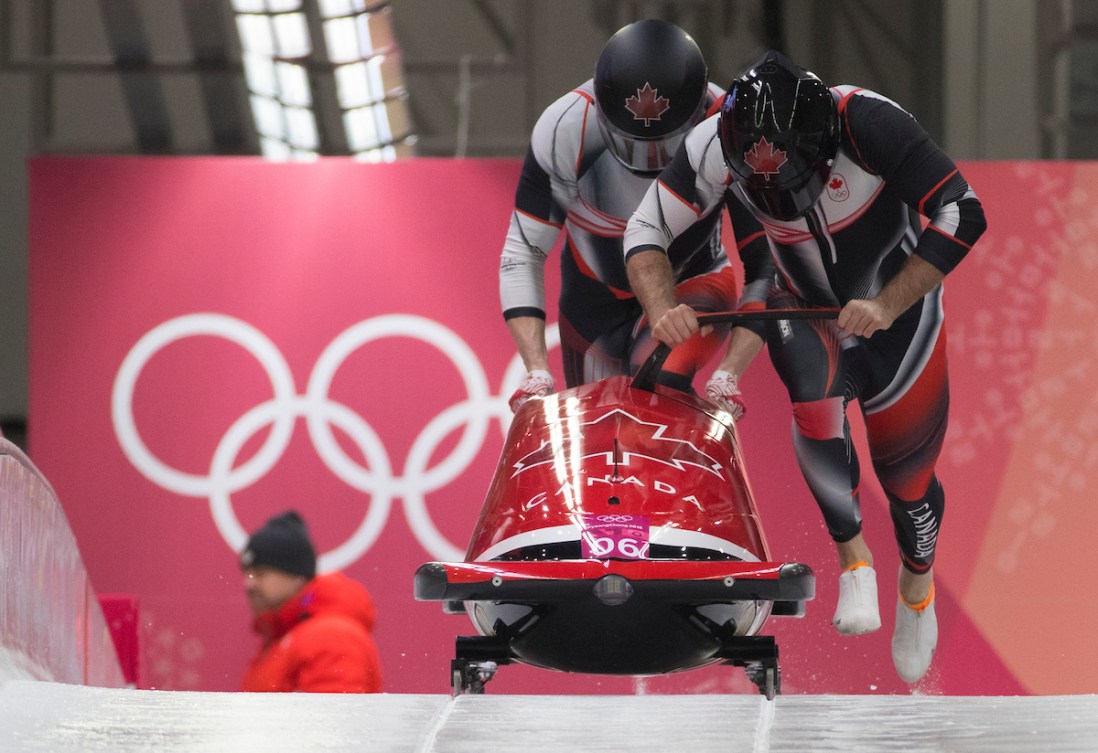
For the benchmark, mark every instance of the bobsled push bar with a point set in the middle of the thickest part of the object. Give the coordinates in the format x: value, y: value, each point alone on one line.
x: 645, y: 377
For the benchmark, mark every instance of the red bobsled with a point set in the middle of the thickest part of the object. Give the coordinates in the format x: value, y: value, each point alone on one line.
x: 619, y: 536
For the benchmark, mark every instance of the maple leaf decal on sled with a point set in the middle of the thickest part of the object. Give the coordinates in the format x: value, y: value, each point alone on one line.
x: 764, y: 159
x: 656, y: 447
x: 647, y: 105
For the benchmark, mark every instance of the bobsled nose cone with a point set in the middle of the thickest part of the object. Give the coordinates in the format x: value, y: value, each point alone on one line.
x: 613, y: 590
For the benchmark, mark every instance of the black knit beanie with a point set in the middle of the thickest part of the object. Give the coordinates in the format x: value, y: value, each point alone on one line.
x: 282, y: 543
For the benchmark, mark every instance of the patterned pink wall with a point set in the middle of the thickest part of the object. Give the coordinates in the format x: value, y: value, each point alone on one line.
x: 214, y: 340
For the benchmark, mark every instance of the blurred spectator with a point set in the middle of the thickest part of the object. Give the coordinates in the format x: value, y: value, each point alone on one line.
x: 315, y: 628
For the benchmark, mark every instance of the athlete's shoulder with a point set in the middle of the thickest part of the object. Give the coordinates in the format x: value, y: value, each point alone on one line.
x: 873, y: 125
x: 567, y: 113
x: 561, y: 130
x: 703, y: 144
x: 855, y: 102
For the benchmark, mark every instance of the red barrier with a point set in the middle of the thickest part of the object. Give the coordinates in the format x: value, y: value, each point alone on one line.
x: 123, y: 616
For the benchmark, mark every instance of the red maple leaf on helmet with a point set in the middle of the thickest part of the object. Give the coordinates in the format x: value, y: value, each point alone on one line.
x: 647, y: 105
x: 764, y: 159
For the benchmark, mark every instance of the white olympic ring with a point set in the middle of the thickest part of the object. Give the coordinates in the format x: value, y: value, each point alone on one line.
x: 614, y: 518
x: 376, y: 478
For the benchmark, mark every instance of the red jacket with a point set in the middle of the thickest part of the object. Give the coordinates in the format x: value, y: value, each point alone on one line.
x: 318, y: 642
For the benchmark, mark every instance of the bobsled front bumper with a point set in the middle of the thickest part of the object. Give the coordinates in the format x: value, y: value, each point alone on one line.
x: 678, y: 581
x: 632, y: 617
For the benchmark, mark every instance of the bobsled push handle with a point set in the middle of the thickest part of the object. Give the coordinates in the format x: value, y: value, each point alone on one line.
x: 645, y: 378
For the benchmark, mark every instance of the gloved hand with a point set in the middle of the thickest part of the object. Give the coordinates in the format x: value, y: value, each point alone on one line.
x: 723, y: 390
x: 538, y: 383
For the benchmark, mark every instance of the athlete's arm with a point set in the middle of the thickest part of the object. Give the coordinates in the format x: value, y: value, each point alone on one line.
x: 532, y: 232
x: 654, y: 286
x: 746, y: 340
x: 536, y: 223
x: 676, y: 201
x: 528, y: 332
x: 915, y: 279
x: 522, y: 286
x: 891, y: 143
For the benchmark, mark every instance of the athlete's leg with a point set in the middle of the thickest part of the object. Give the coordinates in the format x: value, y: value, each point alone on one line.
x: 820, y: 374
x: 588, y: 361
x: 821, y: 442
x: 905, y: 440
x: 812, y: 362
x: 595, y: 326
x: 906, y: 425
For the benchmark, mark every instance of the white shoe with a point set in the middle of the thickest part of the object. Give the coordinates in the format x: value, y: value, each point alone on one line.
x: 914, y: 639
x: 856, y: 612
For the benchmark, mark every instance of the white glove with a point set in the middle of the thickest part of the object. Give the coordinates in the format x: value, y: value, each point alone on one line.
x: 538, y: 383
x: 723, y: 390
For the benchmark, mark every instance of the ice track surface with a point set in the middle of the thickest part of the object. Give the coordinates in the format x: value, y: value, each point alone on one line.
x: 41, y: 716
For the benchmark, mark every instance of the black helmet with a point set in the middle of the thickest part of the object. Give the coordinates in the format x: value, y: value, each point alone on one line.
x: 650, y: 88
x: 779, y: 131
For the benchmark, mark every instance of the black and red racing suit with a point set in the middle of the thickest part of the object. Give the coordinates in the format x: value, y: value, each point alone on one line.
x: 571, y: 181
x: 887, y: 177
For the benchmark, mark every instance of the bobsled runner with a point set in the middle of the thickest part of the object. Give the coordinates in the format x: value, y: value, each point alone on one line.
x: 620, y: 536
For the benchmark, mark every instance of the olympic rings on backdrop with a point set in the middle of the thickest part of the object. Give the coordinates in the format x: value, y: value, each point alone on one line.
x: 418, y: 477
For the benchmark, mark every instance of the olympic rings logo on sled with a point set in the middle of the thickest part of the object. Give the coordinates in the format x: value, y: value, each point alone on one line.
x: 417, y: 479
x: 615, y: 518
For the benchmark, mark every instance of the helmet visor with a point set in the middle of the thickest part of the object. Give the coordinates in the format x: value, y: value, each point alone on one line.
x: 786, y: 203
x: 643, y: 156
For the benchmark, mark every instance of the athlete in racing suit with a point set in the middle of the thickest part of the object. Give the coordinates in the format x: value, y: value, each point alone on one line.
x: 838, y: 179
x: 592, y: 155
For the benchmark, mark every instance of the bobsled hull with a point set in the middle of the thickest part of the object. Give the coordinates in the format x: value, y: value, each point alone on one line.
x: 617, y: 616
x: 619, y: 536
x: 603, y: 452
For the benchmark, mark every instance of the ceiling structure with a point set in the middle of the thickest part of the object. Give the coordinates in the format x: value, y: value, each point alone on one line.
x: 1009, y: 79
x: 462, y: 78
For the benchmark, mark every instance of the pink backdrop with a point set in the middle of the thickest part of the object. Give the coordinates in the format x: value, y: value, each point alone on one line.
x: 215, y: 340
